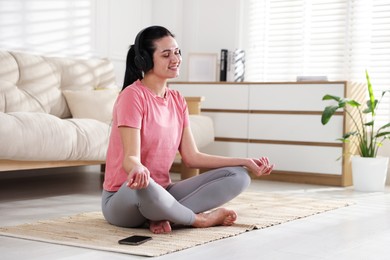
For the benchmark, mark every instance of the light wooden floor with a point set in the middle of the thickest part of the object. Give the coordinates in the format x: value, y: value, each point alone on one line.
x: 360, y: 231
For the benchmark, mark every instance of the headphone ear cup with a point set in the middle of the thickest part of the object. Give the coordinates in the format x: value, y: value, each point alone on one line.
x: 147, y: 59
x: 143, y: 61
x: 139, y: 62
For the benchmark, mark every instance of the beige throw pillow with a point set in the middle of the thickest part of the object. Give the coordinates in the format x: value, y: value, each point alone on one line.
x: 95, y: 104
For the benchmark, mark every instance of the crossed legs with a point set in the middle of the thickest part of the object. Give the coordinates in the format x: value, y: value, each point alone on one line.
x: 182, y: 203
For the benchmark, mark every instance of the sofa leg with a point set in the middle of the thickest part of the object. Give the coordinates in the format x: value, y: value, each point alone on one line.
x: 186, y: 172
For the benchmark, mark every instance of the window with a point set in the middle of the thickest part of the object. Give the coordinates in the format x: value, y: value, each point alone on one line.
x: 60, y: 28
x: 334, y: 38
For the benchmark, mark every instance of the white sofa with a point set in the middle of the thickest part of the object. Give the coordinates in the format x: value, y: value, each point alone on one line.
x: 56, y: 112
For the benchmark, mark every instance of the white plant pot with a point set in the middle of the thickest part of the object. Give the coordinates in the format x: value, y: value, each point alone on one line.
x: 369, y: 174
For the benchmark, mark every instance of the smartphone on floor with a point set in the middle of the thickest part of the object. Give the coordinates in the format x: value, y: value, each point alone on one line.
x: 134, y: 240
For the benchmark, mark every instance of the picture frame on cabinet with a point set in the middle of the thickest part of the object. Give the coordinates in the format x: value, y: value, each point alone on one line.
x: 202, y: 67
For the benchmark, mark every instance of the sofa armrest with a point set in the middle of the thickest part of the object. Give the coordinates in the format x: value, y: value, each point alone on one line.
x: 193, y: 104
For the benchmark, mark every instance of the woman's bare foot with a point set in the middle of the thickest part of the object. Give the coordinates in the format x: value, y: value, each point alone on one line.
x: 221, y: 216
x: 160, y: 227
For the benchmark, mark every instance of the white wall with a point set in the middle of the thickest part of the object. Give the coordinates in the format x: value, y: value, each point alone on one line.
x: 118, y: 23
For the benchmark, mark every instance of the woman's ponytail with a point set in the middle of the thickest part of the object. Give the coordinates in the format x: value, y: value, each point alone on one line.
x: 132, y: 73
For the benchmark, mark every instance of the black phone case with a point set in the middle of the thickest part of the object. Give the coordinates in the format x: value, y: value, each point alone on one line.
x: 134, y: 240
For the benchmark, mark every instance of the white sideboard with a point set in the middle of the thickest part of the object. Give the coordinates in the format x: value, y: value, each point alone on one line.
x: 280, y: 120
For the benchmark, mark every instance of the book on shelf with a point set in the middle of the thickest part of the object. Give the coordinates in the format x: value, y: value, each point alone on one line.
x: 223, y: 65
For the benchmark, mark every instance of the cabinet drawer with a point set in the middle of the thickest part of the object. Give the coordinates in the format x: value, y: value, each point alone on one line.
x: 230, y: 125
x: 230, y: 149
x: 217, y: 96
x: 295, y: 97
x: 299, y: 158
x: 305, y: 128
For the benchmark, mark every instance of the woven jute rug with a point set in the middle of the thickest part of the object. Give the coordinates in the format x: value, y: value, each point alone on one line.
x: 90, y: 230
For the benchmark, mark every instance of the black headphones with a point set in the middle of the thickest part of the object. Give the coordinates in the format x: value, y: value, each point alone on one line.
x: 142, y: 59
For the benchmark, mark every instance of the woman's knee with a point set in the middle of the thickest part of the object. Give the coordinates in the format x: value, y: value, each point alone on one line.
x: 244, y: 177
x: 240, y: 178
x: 118, y: 210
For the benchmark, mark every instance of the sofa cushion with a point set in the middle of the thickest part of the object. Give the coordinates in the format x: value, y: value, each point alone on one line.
x: 34, y: 83
x: 39, y: 80
x: 29, y: 84
x: 9, y: 70
x: 40, y: 136
x: 96, y: 104
x: 83, y: 74
x: 16, y: 99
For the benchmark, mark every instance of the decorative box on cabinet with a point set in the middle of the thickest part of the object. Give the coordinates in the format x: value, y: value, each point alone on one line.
x: 281, y: 121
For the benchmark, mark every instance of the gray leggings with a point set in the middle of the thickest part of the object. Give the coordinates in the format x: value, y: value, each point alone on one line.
x: 178, y: 203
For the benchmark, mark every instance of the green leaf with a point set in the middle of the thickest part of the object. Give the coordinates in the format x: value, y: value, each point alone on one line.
x: 349, y: 134
x: 369, y: 108
x: 353, y: 103
x: 382, y: 134
x: 384, y: 127
x: 385, y: 91
x: 369, y: 123
x: 328, y: 113
x: 331, y: 97
x: 366, y: 111
x: 371, y: 95
x: 343, y: 140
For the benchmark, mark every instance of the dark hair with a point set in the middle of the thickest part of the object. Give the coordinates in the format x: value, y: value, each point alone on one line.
x: 140, y: 55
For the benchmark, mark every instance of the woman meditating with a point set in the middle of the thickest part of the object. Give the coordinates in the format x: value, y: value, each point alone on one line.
x: 150, y: 124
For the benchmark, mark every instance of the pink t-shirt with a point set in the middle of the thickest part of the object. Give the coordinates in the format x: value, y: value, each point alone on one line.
x: 161, y: 121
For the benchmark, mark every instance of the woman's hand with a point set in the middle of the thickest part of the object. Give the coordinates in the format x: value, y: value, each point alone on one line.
x: 261, y: 166
x: 138, y: 178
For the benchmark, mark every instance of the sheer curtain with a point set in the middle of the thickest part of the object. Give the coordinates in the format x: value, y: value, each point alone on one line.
x: 339, y: 39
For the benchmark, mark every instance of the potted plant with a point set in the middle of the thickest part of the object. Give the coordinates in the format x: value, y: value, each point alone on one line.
x: 368, y: 170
